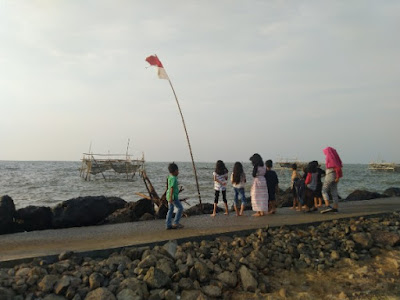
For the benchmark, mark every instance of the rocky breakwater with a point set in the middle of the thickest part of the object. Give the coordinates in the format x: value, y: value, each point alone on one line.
x: 270, y: 263
x: 76, y: 212
x: 285, y: 197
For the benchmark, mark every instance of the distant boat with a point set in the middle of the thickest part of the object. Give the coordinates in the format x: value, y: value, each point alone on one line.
x: 287, y: 163
x: 384, y: 166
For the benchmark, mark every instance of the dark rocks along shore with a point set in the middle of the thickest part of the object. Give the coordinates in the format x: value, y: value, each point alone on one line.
x: 239, y: 267
x: 98, y: 210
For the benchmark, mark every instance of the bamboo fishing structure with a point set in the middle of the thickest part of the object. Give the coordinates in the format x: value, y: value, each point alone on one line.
x: 110, y: 164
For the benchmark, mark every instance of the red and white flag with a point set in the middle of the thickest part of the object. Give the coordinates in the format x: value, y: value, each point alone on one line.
x: 154, y: 61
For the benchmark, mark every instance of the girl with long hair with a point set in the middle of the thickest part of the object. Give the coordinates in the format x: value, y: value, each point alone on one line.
x: 220, y: 180
x: 259, y: 190
x: 238, y: 179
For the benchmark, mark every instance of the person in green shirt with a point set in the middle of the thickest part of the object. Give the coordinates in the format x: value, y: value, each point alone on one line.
x: 173, y: 199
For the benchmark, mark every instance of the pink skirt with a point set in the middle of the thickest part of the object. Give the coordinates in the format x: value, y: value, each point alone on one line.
x: 259, y: 194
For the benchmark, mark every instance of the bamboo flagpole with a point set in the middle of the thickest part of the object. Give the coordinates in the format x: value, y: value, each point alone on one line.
x: 162, y: 74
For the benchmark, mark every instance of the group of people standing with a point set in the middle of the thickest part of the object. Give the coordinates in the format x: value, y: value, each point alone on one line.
x: 308, y: 189
x: 265, y: 183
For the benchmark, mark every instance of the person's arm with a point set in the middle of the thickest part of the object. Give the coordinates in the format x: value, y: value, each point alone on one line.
x: 171, y: 194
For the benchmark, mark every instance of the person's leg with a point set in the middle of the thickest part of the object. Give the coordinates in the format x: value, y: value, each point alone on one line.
x: 243, y: 198
x: 215, y: 203
x: 225, y: 202
x: 168, y: 219
x: 178, y: 215
x: 329, y: 186
x: 335, y: 196
x: 325, y: 191
x: 236, y: 200
x: 273, y: 206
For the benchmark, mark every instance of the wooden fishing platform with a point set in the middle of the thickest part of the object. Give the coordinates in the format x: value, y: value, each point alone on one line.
x: 110, y: 166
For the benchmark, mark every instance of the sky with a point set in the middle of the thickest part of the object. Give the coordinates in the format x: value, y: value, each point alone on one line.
x: 281, y: 78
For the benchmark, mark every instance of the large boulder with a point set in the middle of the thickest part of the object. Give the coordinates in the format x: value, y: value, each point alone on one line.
x: 34, y: 218
x: 285, y: 198
x: 363, y: 195
x: 85, y: 211
x: 132, y: 211
x: 392, y: 192
x: 7, y: 212
x: 207, y: 209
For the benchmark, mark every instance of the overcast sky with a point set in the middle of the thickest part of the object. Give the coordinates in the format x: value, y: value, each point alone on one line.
x: 281, y: 78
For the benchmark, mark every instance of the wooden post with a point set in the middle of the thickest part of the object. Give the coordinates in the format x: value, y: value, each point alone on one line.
x: 188, y: 141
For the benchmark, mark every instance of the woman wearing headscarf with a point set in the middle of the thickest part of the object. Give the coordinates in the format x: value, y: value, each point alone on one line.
x: 333, y: 174
x: 259, y: 190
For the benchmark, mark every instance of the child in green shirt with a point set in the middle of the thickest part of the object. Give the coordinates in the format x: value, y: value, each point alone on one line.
x: 172, y: 198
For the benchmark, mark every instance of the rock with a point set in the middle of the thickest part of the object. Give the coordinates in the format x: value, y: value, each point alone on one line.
x: 166, y: 266
x: 147, y: 217
x: 392, y: 192
x: 192, y: 295
x: 139, y: 287
x: 363, y: 195
x: 118, y: 260
x: 335, y: 255
x: 7, y: 212
x: 133, y: 211
x: 186, y: 284
x: 249, y: 283
x: 95, y: 280
x: 196, y: 210
x: 170, y: 247
x: 386, y: 238
x: 128, y: 294
x: 62, y: 285
x: 85, y: 211
x: 169, y: 295
x: 23, y: 272
x: 100, y: 294
x: 34, y: 218
x: 54, y: 297
x: 282, y: 293
x: 134, y: 252
x: 201, y: 271
x: 6, y: 294
x: 155, y: 278
x: 212, y: 291
x: 65, y: 255
x: 258, y: 259
x: 363, y: 239
x: 147, y: 262
x: 229, y: 278
x: 47, y: 283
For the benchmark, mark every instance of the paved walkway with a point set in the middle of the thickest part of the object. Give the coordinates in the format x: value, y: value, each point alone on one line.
x: 52, y: 242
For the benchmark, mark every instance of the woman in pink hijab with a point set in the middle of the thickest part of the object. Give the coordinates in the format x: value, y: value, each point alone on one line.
x: 333, y: 174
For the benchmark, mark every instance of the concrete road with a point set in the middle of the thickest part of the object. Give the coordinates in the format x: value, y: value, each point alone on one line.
x: 82, y: 239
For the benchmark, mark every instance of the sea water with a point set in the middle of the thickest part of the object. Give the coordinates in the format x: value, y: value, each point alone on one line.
x: 47, y: 183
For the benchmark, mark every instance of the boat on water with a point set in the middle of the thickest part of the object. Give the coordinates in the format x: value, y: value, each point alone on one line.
x: 287, y: 163
x: 384, y: 166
